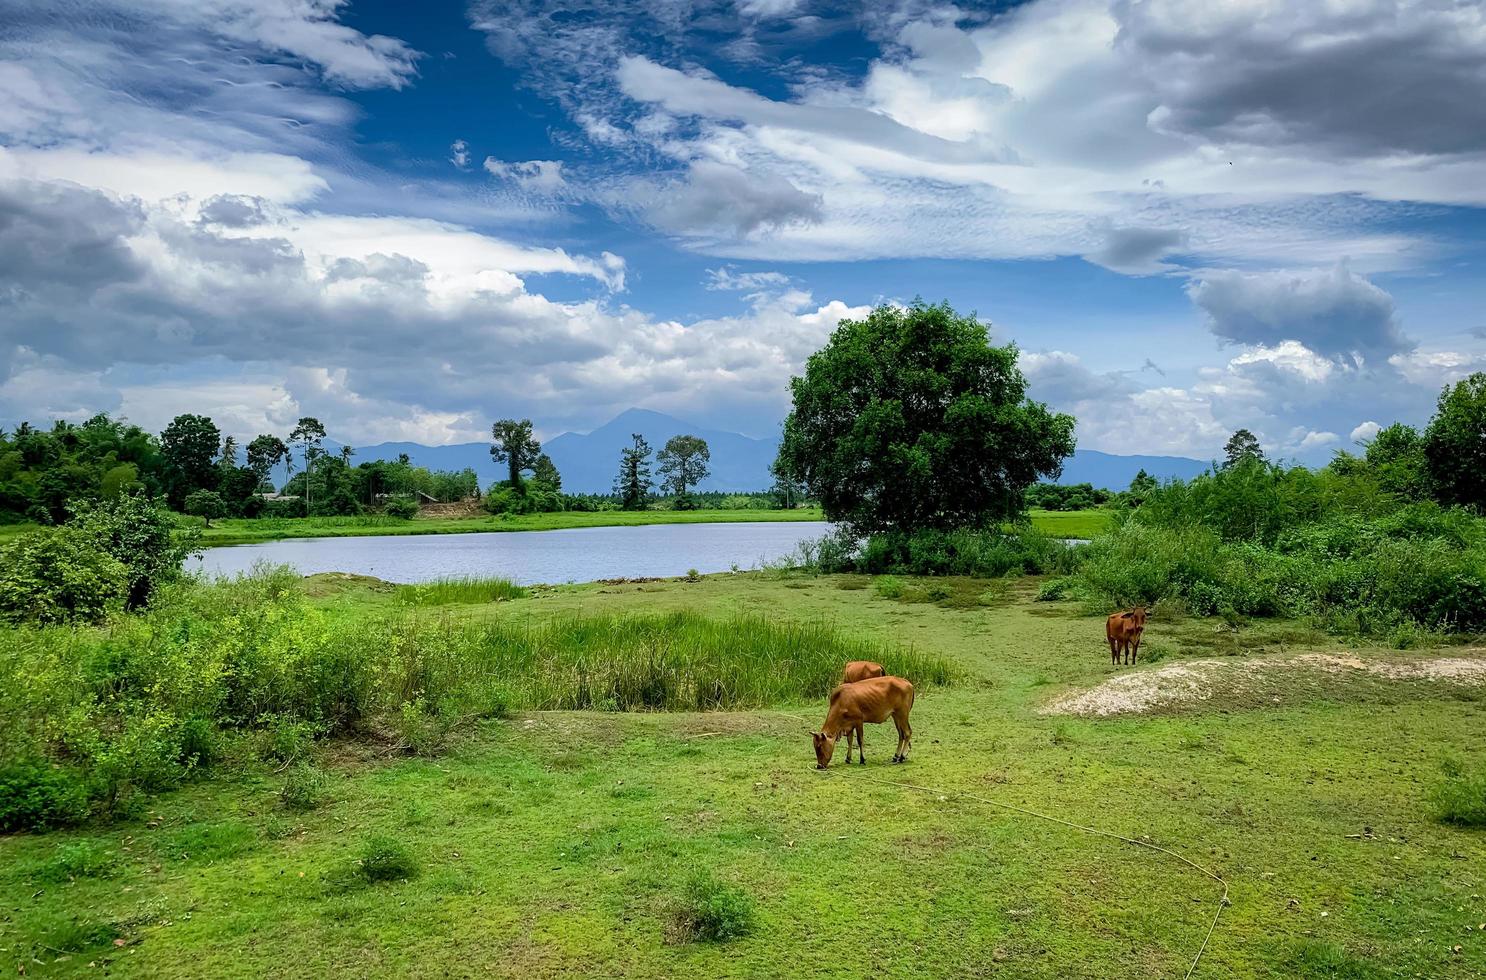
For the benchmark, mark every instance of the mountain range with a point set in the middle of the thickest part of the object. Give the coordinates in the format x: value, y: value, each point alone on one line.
x: 588, y: 461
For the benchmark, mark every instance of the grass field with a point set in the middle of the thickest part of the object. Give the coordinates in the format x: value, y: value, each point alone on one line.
x: 1069, y: 524
x: 241, y: 531
x: 559, y: 842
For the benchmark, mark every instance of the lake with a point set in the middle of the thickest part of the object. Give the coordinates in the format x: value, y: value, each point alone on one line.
x: 528, y: 557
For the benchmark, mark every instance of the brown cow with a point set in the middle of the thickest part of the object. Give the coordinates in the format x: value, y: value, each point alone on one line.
x: 873, y: 700
x: 1123, y: 630
x: 860, y: 670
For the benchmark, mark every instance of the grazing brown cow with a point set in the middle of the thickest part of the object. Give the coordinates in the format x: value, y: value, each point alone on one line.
x: 1123, y: 630
x: 872, y: 700
x: 860, y: 670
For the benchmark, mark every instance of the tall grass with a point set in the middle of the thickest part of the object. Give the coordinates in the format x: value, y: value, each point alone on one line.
x: 459, y: 590
x: 214, y: 669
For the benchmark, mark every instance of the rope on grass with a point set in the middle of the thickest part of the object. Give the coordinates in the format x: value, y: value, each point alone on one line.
x: 946, y: 794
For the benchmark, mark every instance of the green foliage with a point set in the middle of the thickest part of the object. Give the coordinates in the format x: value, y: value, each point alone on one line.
x: 458, y: 590
x: 683, y: 464
x: 43, y: 472
x: 512, y: 444
x: 148, y: 702
x: 1397, y: 461
x: 1242, y: 447
x: 403, y: 508
x: 71, y: 861
x: 205, y: 504
x: 1075, y: 496
x: 1313, y: 959
x: 910, y: 420
x: 36, y: 795
x: 141, y: 535
x: 1460, y: 796
x: 525, y: 498
x: 304, y: 787
x: 544, y: 475
x: 633, y: 484
x: 888, y: 586
x: 386, y: 858
x: 1256, y: 539
x: 189, y: 449
x: 1455, y: 443
x: 59, y: 575
x: 710, y: 911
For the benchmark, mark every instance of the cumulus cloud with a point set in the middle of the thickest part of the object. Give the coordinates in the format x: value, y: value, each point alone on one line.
x: 1127, y: 133
x: 1365, y: 431
x: 1334, y: 313
x: 459, y: 154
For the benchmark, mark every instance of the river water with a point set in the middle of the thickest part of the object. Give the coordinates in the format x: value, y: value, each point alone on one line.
x: 529, y: 557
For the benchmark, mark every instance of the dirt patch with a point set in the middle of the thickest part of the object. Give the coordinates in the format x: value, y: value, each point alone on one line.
x: 1198, y: 681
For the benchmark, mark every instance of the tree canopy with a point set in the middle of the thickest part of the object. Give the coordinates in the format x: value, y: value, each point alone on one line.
x: 512, y: 444
x: 683, y: 464
x: 1242, y: 446
x: 911, y: 419
x: 632, y: 485
x: 1455, y: 443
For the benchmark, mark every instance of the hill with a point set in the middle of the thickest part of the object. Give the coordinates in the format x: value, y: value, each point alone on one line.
x: 588, y: 461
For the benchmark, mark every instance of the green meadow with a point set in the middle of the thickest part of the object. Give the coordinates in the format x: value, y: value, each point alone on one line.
x: 459, y: 818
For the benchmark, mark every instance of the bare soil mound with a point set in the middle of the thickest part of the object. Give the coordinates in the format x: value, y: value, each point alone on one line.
x: 1197, y: 681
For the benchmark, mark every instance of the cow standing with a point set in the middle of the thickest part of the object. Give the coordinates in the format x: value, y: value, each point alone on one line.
x: 853, y: 705
x: 860, y: 670
x: 1123, y: 630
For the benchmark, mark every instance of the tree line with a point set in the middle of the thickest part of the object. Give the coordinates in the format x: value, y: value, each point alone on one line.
x: 196, y: 469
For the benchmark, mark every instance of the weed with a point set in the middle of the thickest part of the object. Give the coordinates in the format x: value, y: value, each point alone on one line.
x: 708, y: 910
x: 1460, y: 797
x: 304, y: 787
x: 386, y: 859
x: 888, y: 586
x: 83, y: 859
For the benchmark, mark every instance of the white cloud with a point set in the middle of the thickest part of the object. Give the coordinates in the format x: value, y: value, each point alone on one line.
x: 459, y: 154
x: 536, y: 176
x: 1365, y: 431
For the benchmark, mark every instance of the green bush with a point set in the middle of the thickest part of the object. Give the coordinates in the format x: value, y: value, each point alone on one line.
x: 709, y: 911
x: 402, y: 508
x: 386, y: 859
x: 1460, y: 796
x: 888, y: 586
x: 59, y: 575
x: 35, y: 795
x: 304, y: 787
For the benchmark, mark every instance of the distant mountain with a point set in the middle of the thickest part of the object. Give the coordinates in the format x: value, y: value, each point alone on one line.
x: 589, y: 461
x: 1115, y: 472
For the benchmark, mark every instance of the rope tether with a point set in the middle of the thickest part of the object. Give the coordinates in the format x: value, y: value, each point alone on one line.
x: 946, y: 794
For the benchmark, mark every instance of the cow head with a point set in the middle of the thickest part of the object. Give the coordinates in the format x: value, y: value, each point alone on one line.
x: 1136, y: 617
x: 825, y: 747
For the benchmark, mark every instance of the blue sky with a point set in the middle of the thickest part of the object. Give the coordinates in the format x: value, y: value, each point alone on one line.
x: 410, y: 219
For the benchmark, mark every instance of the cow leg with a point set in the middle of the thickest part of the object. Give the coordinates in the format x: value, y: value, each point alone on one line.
x: 1114, y: 651
x: 848, y: 746
x: 1125, y: 653
x: 861, y: 752
x: 905, y: 735
x: 1135, y: 651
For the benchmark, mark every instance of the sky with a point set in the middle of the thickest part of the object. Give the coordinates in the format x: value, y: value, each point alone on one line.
x: 408, y: 220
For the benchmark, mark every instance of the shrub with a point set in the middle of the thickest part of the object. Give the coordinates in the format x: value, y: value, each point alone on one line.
x: 1460, y: 796
x: 888, y: 586
x: 1054, y: 589
x: 304, y: 787
x: 421, y: 731
x: 692, y: 575
x: 709, y: 911
x: 35, y: 795
x: 386, y: 859
x: 59, y: 575
x: 403, y: 508
x: 144, y: 537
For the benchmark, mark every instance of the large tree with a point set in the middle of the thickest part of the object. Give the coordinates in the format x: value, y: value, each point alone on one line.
x: 189, y: 447
x: 1242, y: 446
x: 1395, y: 456
x: 544, y: 474
x: 264, y: 453
x: 1455, y: 443
x: 683, y: 464
x: 512, y: 444
x: 633, y: 484
x: 309, y: 433
x: 910, y: 419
